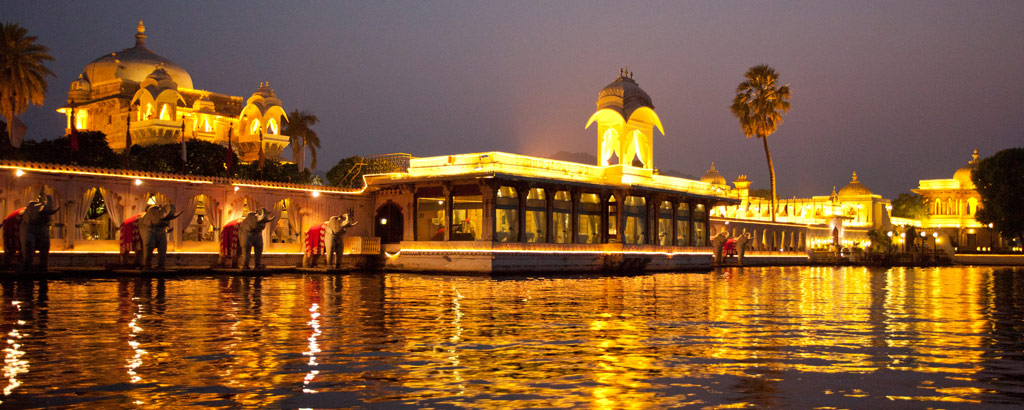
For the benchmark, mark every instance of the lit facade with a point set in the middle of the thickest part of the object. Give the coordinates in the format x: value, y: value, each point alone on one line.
x: 158, y: 99
x: 952, y: 204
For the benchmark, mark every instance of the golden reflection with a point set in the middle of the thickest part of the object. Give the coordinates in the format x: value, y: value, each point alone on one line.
x: 14, y: 362
x: 314, y: 347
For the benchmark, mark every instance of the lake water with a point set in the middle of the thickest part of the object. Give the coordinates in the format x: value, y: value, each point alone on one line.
x: 792, y: 337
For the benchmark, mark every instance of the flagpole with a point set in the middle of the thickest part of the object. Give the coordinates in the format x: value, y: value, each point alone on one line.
x: 229, y: 160
x: 261, y: 151
x: 128, y: 139
x: 184, y: 154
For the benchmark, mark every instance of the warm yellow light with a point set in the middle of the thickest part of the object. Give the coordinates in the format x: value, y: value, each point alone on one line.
x: 971, y: 231
x: 383, y: 221
x: 138, y: 181
x: 272, y: 126
x: 236, y: 188
x: 935, y: 234
x: 255, y: 127
x: 316, y: 194
x: 164, y: 114
x: 18, y: 172
x: 990, y: 225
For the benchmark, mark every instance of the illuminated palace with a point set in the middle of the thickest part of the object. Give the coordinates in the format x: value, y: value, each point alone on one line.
x: 156, y: 96
x: 495, y: 211
x: 952, y: 204
x: 842, y: 217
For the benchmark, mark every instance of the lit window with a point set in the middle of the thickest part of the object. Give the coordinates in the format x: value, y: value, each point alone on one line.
x: 272, y: 126
x: 164, y: 114
x: 206, y: 124
x: 609, y: 142
x: 80, y: 119
x: 254, y: 127
x: 149, y: 112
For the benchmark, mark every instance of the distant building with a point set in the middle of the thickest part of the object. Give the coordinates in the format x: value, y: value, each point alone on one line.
x: 159, y: 97
x: 952, y: 204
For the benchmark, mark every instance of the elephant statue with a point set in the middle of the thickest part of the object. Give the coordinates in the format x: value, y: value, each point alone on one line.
x: 12, y: 237
x: 33, y: 231
x: 131, y: 241
x: 327, y: 239
x: 718, y: 244
x: 245, y: 235
x: 153, y: 229
x: 742, y: 242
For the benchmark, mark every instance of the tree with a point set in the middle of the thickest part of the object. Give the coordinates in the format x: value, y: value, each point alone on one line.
x: 759, y: 104
x: 93, y: 151
x: 22, y: 73
x: 761, y: 193
x: 348, y: 172
x: 1000, y: 182
x: 910, y: 205
x: 301, y: 135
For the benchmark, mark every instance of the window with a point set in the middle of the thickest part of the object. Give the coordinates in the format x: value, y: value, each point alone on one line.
x: 613, y: 219
x: 665, y: 223
x: 506, y: 215
x: 683, y: 224
x: 699, y: 225
x: 271, y: 126
x: 254, y: 127
x: 467, y: 217
x: 286, y: 230
x: 165, y: 113
x: 201, y: 227
x: 430, y: 216
x: 589, y: 219
x: 635, y: 212
x: 561, y: 211
x: 536, y: 211
x: 81, y: 119
x: 97, y: 224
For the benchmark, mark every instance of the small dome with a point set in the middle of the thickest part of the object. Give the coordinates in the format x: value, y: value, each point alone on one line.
x: 713, y: 177
x: 963, y: 175
x: 623, y: 95
x: 134, y: 64
x: 80, y: 88
x: 854, y: 188
x: 161, y: 78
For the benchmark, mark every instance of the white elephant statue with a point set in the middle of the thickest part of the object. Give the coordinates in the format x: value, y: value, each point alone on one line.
x: 718, y: 245
x: 327, y: 239
x: 153, y: 228
x: 250, y: 237
x: 28, y: 230
x: 742, y: 242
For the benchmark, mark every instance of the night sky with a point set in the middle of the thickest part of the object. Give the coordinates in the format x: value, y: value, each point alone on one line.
x: 894, y: 91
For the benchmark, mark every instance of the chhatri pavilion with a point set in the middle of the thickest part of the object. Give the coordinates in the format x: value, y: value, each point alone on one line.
x: 157, y: 97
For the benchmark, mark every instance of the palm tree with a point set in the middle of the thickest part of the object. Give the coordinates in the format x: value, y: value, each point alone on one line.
x: 22, y: 73
x: 298, y: 129
x: 759, y: 105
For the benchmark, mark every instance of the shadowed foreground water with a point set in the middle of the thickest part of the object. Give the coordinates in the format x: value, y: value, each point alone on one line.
x: 775, y: 337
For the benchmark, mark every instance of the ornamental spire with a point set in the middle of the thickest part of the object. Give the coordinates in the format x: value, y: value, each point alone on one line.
x: 140, y: 36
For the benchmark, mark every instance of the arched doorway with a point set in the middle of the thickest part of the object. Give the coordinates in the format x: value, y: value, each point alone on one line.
x: 388, y: 223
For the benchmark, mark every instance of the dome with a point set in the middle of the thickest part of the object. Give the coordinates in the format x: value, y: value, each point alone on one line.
x: 80, y: 88
x: 713, y: 177
x: 162, y: 79
x: 854, y: 188
x: 623, y: 95
x: 963, y: 175
x: 134, y: 64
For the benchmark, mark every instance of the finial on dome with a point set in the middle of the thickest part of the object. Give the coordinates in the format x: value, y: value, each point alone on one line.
x: 854, y: 177
x: 975, y: 156
x: 140, y: 36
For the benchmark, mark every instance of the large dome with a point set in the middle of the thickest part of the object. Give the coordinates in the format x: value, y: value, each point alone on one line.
x: 713, y: 177
x: 854, y: 188
x: 963, y: 175
x: 623, y: 95
x: 134, y: 64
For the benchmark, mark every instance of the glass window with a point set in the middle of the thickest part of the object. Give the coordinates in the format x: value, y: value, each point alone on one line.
x: 699, y: 225
x: 536, y: 211
x: 506, y: 227
x: 467, y: 217
x: 665, y: 223
x: 613, y: 219
x: 683, y: 224
x: 635, y: 212
x: 97, y: 224
x: 589, y: 220
x: 430, y: 218
x: 561, y: 211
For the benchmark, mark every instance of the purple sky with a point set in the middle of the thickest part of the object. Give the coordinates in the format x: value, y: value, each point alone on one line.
x: 894, y: 91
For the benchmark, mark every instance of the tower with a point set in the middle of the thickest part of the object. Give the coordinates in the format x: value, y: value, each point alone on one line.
x: 625, y: 120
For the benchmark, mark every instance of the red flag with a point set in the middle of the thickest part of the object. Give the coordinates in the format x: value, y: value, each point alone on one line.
x: 74, y: 130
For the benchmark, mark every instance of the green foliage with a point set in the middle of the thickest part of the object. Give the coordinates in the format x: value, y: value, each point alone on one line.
x: 274, y: 171
x: 880, y: 241
x: 1000, y: 182
x: 348, y: 173
x: 910, y: 205
x: 93, y: 151
x: 22, y: 73
x: 204, y: 158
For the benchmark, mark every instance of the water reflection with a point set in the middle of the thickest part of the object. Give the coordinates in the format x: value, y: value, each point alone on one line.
x: 771, y: 337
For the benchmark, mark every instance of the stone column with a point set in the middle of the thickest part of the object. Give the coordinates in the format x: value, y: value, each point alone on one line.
x: 574, y: 215
x: 489, y: 193
x: 620, y: 216
x: 603, y: 234
x: 522, y: 191
x: 549, y: 220
x: 448, y: 210
x: 674, y: 228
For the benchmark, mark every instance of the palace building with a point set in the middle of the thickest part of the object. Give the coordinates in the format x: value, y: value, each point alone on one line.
x: 952, y: 204
x: 138, y: 91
